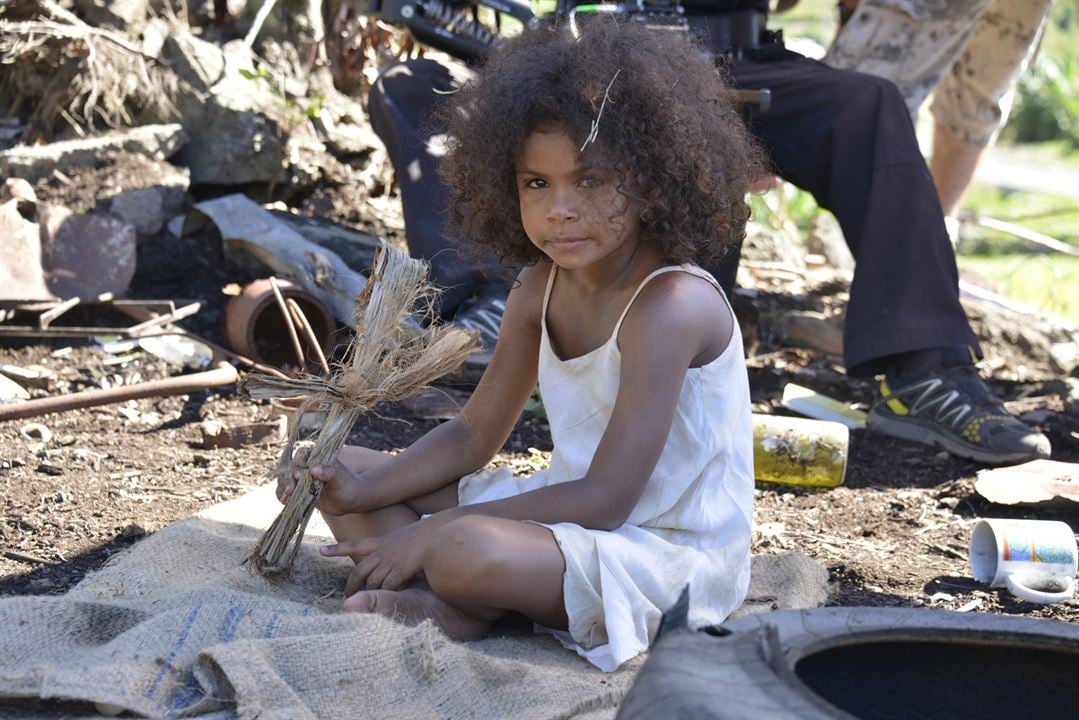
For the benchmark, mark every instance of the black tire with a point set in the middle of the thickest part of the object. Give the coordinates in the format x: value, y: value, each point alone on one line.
x: 862, y: 663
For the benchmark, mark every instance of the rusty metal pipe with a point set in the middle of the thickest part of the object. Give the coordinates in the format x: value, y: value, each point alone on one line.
x: 222, y: 374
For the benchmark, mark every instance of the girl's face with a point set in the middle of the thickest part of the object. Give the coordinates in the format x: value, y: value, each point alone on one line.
x: 572, y: 211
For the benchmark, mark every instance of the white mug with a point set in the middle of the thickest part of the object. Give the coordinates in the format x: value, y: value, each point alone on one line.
x: 1035, y: 559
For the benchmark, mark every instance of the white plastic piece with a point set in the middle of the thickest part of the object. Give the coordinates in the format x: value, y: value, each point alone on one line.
x: 178, y: 350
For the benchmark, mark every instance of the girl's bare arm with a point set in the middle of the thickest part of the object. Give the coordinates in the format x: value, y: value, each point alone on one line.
x: 469, y: 441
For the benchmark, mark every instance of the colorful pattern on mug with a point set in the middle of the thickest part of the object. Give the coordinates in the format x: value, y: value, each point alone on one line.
x: 1020, y: 547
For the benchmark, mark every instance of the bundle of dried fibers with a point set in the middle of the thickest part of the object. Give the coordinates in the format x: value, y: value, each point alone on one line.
x: 388, y: 359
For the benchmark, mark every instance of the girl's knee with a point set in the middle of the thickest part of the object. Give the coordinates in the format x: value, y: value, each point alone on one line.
x: 466, y: 553
x: 358, y: 459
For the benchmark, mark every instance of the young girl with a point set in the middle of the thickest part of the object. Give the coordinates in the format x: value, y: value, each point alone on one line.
x: 605, y: 164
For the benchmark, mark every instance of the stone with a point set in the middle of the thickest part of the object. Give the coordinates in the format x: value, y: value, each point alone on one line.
x: 765, y: 245
x: 826, y: 237
x: 128, y: 16
x: 235, y: 138
x: 159, y: 196
x: 35, y: 162
x: 86, y: 255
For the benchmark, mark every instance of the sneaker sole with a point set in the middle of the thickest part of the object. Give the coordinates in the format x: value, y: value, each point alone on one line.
x: 927, y: 434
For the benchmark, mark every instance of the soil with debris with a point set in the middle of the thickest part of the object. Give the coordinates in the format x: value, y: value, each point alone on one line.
x: 83, y: 485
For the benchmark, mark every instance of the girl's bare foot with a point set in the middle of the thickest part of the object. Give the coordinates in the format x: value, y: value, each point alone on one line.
x: 414, y: 605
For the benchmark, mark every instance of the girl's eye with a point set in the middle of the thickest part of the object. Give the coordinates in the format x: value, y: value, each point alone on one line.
x: 590, y: 181
x: 535, y: 183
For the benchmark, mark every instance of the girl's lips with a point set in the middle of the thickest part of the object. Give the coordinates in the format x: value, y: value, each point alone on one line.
x: 566, y: 242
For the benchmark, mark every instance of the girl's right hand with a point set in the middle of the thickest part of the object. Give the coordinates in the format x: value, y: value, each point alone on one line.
x: 340, y: 487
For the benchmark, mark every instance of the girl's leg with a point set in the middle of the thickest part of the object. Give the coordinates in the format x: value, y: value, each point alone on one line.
x: 477, y: 569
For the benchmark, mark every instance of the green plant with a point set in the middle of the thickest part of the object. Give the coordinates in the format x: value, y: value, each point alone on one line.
x: 297, y: 110
x: 1047, y: 103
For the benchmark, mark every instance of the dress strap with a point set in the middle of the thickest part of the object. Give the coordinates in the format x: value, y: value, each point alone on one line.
x: 686, y: 268
x: 547, y: 295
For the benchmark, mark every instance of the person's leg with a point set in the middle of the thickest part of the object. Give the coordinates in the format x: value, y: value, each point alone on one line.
x: 952, y: 166
x: 846, y: 138
x: 971, y: 104
x: 477, y: 569
x: 913, y: 44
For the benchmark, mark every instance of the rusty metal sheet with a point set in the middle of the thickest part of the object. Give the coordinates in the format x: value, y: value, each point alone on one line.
x: 21, y: 274
x: 63, y: 254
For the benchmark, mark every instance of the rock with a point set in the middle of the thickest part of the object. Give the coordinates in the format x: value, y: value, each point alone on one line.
x: 35, y: 162
x: 11, y: 129
x: 826, y: 237
x: 148, y: 208
x: 1023, y: 344
x: 234, y: 138
x: 133, y: 531
x: 216, y: 435
x: 1067, y: 389
x: 144, y: 208
x: 347, y: 139
x: 86, y: 255
x: 128, y: 16
x: 198, y: 62
x: 762, y: 244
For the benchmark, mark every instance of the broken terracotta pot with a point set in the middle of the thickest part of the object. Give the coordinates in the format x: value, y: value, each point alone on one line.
x: 256, y: 327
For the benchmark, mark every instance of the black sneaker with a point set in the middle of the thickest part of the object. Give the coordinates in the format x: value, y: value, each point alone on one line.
x: 953, y: 408
x: 484, y: 314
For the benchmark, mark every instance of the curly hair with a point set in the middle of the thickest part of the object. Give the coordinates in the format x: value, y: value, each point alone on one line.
x: 668, y: 125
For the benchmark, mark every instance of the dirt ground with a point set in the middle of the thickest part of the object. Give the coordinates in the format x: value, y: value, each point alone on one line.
x: 895, y: 534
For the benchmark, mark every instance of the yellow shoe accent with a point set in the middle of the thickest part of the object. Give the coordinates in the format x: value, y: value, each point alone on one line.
x: 895, y: 405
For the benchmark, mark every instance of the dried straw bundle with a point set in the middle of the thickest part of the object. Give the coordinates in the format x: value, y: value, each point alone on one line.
x: 387, y: 360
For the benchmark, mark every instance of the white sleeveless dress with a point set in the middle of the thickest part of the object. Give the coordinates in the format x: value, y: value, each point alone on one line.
x: 693, y: 522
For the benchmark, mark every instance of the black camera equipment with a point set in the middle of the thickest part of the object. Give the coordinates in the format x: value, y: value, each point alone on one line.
x: 455, y: 27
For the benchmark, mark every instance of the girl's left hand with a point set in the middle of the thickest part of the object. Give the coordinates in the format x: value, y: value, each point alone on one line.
x: 386, y: 562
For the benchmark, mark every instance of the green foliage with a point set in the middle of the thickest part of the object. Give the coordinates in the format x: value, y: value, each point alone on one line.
x: 1049, y: 283
x: 784, y: 204
x: 297, y: 110
x: 1047, y: 103
x: 1052, y: 215
x: 1047, y: 96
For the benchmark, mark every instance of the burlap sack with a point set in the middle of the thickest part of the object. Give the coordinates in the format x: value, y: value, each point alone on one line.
x: 175, y: 627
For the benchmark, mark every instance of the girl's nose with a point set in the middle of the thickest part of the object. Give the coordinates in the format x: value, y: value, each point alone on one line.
x: 563, y: 207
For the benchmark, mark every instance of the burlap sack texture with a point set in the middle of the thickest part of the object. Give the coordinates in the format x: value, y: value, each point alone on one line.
x: 175, y: 627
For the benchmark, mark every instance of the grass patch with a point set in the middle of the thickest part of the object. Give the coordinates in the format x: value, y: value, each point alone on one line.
x: 1052, y: 215
x: 1049, y: 283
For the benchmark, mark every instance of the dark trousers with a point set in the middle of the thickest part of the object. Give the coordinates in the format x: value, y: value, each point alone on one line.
x: 401, y: 107
x: 845, y: 137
